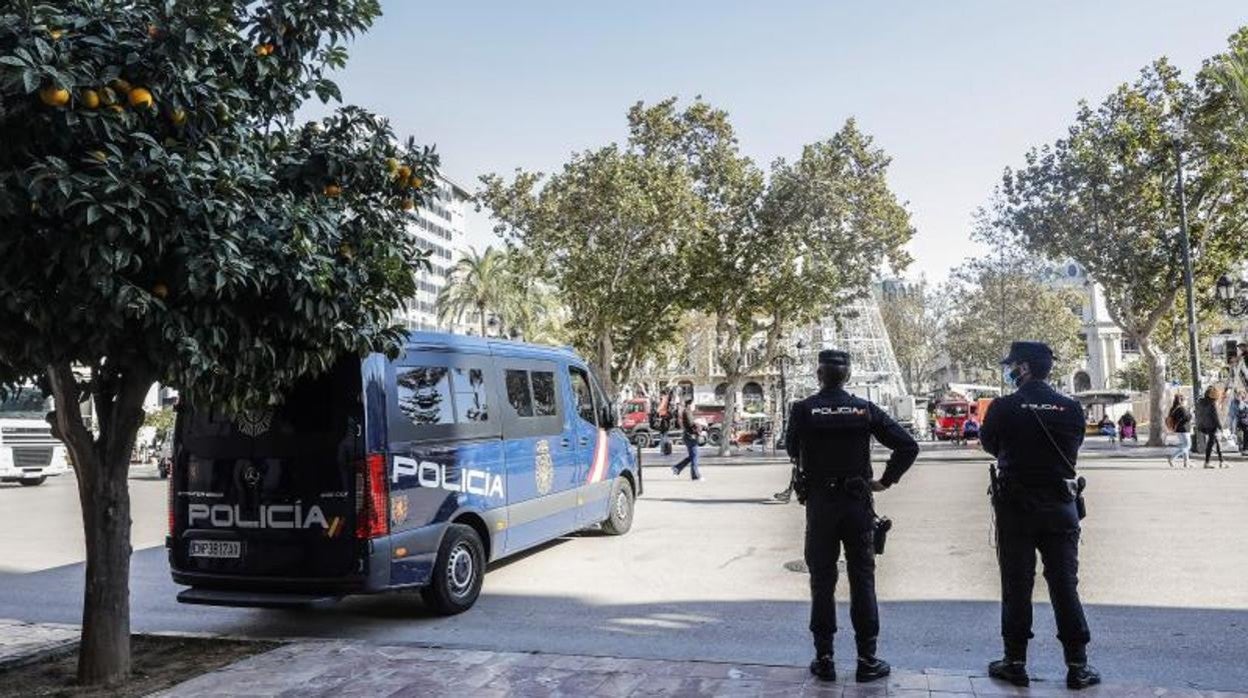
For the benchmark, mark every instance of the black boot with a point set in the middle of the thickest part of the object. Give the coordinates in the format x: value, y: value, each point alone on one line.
x: 1081, y: 676
x: 1011, y: 670
x: 823, y: 668
x: 872, y: 668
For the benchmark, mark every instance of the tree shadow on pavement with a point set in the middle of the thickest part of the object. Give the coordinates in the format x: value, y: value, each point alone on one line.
x: 1163, y: 646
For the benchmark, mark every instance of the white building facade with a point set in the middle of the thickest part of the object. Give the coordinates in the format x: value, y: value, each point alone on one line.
x: 1106, y: 349
x: 441, y: 230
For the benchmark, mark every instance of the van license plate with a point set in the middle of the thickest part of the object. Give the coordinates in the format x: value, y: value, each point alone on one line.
x: 216, y: 548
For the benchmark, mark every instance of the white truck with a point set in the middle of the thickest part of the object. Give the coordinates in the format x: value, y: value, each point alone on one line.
x: 909, y: 412
x: 28, y: 452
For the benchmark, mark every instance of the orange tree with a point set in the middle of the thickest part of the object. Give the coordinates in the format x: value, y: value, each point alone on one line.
x: 163, y: 218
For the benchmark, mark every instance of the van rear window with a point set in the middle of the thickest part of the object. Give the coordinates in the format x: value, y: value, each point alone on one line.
x: 471, y: 398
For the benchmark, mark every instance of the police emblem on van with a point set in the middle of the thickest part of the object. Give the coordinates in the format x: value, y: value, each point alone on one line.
x: 543, y: 467
x: 254, y: 424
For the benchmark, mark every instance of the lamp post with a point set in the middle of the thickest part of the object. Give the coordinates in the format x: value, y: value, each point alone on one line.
x: 1186, y: 244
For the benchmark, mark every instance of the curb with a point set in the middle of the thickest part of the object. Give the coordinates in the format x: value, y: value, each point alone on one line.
x: 51, y: 649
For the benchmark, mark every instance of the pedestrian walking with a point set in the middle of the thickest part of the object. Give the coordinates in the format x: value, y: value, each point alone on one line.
x: 689, y: 435
x: 1035, y: 434
x: 829, y: 435
x: 1179, y: 420
x: 1209, y: 424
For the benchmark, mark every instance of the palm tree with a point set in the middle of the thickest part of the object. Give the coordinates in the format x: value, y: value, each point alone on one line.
x: 1233, y: 74
x: 476, y: 284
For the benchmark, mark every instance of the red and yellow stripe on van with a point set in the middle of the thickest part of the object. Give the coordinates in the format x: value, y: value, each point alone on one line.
x: 598, y: 468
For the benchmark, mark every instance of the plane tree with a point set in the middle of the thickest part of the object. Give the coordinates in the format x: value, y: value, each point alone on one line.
x: 1105, y: 196
x: 164, y: 218
x: 775, y: 252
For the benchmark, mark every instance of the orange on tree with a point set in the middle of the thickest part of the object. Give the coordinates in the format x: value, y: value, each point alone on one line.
x: 264, y: 49
x: 407, y: 204
x: 160, y: 290
x: 54, y: 96
x: 99, y: 155
x: 178, y: 117
x: 90, y: 99
x: 140, y: 98
x: 153, y: 31
x: 332, y: 190
x: 117, y: 108
x: 120, y: 86
x: 417, y: 182
x: 402, y: 173
x: 56, y: 34
x: 392, y: 165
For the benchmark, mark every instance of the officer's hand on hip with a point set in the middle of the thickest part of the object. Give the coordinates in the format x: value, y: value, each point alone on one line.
x: 877, y: 486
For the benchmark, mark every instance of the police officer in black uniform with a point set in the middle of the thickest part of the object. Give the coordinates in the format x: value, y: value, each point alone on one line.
x: 829, y: 435
x: 1035, y: 434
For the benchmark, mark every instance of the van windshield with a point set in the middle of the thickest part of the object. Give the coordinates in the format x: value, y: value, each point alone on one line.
x: 26, y: 403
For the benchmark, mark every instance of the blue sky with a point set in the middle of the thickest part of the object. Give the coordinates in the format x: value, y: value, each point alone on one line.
x: 954, y: 91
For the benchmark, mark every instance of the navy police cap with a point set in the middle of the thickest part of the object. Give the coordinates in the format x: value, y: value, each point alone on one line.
x: 1031, y: 352
x: 833, y: 357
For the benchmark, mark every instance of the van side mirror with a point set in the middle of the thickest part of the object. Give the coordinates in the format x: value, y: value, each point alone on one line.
x: 609, y: 419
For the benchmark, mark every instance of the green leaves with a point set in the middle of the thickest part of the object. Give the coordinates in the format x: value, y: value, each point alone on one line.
x: 206, y: 239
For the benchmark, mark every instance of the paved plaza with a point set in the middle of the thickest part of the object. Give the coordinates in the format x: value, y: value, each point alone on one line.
x: 710, y: 574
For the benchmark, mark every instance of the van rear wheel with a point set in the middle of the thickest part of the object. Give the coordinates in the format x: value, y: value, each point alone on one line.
x: 457, y: 572
x: 35, y: 482
x: 620, y: 518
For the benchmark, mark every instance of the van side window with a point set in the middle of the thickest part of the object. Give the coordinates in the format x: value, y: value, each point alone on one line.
x: 471, y: 398
x: 543, y: 393
x: 583, y: 394
x: 425, y: 394
x: 518, y: 392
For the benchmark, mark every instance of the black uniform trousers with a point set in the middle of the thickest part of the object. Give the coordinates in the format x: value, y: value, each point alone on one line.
x: 837, y: 516
x: 1027, y: 523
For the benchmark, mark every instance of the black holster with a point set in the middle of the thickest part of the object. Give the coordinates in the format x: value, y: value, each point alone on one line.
x: 801, y: 484
x: 883, y: 525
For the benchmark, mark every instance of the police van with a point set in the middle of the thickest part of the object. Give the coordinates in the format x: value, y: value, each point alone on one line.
x: 411, y: 474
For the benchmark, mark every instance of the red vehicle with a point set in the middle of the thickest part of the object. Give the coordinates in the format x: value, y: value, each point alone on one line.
x: 635, y: 421
x: 642, y: 426
x: 950, y: 416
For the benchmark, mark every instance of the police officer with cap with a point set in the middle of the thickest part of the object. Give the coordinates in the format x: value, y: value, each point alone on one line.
x: 829, y: 436
x: 1035, y: 434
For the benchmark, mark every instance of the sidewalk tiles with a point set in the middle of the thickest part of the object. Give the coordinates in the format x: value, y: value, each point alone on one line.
x: 358, y: 669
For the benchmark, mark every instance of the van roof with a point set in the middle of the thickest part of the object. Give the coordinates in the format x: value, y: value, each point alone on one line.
x: 501, y: 347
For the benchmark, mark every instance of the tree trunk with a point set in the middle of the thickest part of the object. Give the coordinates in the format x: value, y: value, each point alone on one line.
x: 481, y: 317
x: 730, y: 413
x: 102, y: 465
x: 1156, y: 390
x: 606, y: 357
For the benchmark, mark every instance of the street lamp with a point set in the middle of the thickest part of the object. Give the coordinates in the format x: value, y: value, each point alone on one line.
x: 1233, y: 295
x: 1186, y: 244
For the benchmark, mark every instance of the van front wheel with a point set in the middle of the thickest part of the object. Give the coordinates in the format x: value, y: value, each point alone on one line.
x: 620, y: 518
x: 457, y: 573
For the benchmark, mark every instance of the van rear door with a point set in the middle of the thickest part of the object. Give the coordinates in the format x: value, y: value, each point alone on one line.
x: 271, y: 496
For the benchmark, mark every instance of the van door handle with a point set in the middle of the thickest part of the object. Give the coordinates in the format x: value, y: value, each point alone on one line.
x: 567, y: 443
x: 584, y: 440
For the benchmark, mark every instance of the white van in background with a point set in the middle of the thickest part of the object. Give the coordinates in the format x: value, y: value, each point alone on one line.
x: 28, y: 452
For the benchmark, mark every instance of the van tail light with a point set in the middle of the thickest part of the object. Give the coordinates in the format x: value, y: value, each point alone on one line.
x: 171, y: 499
x: 371, y: 516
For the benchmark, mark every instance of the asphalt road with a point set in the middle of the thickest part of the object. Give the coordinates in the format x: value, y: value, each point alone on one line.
x: 702, y: 575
